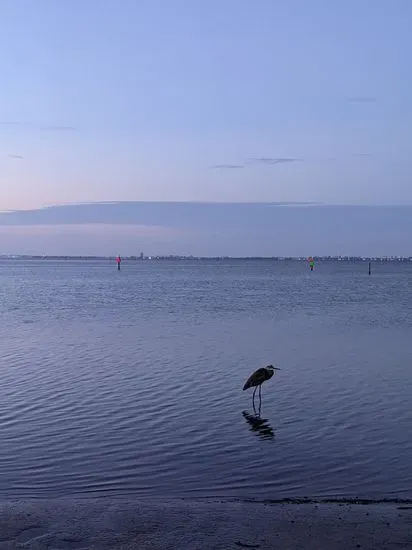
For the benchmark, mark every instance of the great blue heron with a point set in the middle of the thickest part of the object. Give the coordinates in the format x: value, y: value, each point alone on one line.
x: 258, y: 377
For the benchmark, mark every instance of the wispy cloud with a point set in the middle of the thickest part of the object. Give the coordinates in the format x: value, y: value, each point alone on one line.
x: 294, y: 204
x: 43, y: 127
x: 15, y: 157
x: 226, y: 166
x: 58, y: 128
x: 256, y: 160
x: 274, y: 160
x: 363, y: 99
x: 361, y: 155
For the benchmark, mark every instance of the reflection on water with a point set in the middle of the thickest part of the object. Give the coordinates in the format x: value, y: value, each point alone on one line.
x: 260, y: 426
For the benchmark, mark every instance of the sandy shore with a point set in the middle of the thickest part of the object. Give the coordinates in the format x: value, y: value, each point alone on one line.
x: 211, y: 524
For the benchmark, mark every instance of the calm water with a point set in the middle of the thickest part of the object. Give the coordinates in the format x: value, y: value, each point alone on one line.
x: 131, y: 382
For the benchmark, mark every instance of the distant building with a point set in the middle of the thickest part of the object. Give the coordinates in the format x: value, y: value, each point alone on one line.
x: 141, y: 255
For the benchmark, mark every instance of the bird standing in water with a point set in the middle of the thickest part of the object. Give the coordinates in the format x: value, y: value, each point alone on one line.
x: 258, y: 377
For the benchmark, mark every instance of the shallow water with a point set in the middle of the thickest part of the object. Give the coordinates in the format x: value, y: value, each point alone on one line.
x: 131, y: 382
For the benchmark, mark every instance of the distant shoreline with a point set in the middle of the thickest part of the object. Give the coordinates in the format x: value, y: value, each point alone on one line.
x: 392, y: 259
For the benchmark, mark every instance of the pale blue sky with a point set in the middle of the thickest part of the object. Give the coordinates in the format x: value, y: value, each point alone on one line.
x: 139, y: 99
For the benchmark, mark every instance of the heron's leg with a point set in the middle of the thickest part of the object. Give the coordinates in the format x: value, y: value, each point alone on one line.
x: 253, y: 398
x: 260, y: 392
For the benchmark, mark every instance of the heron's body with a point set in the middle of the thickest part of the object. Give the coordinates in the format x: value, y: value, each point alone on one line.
x: 256, y: 379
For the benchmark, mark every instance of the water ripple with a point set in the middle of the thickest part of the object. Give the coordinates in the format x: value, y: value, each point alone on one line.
x: 131, y: 383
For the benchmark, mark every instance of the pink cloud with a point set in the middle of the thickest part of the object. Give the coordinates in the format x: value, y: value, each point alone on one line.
x: 90, y: 229
x: 87, y: 239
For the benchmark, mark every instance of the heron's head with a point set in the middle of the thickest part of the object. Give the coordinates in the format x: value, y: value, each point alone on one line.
x: 271, y: 367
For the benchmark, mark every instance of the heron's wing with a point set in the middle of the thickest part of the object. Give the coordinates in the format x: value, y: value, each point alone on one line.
x: 258, y: 377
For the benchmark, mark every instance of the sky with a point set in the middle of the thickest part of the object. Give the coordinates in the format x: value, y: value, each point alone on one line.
x: 229, y: 100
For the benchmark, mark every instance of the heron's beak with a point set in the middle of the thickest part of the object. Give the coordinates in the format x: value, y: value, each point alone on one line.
x: 276, y: 368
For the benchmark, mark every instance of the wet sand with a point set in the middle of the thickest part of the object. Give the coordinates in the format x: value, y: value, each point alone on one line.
x: 208, y: 524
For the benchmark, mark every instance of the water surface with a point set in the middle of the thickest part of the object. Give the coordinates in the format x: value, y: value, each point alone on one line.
x: 131, y: 382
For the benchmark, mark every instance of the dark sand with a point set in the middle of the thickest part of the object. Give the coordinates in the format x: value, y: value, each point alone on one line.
x: 208, y: 524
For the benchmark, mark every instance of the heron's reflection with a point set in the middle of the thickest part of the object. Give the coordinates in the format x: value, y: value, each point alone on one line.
x: 257, y: 424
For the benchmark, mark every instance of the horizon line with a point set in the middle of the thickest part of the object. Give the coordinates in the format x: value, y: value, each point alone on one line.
x: 7, y: 256
x: 209, y: 202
